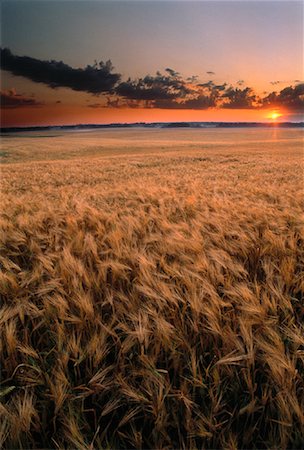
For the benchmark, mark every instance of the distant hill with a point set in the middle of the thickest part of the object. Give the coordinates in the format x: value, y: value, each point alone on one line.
x: 5, y: 130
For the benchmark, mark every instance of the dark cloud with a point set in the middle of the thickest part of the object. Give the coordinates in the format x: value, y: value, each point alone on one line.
x: 172, y: 73
x: 114, y: 103
x: 239, y: 98
x: 192, y: 79
x: 11, y: 100
x: 212, y: 87
x: 172, y: 92
x: 220, y: 87
x: 93, y: 79
x: 137, y: 104
x: 95, y: 105
x: 138, y: 90
x: 168, y: 91
x: 111, y: 102
x: 159, y: 87
x: 200, y: 102
x: 207, y: 84
x: 210, y: 72
x: 173, y: 84
x: 290, y: 97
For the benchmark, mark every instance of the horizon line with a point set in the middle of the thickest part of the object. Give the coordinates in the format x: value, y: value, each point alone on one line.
x: 129, y: 124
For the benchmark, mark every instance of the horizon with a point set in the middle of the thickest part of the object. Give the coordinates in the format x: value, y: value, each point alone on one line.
x: 144, y: 123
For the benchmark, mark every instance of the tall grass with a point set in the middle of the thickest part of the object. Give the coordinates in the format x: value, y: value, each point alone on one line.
x: 153, y: 301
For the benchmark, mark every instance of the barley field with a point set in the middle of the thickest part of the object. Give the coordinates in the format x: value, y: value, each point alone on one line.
x: 152, y: 290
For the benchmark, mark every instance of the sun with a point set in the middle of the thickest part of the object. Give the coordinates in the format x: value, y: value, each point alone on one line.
x: 274, y: 115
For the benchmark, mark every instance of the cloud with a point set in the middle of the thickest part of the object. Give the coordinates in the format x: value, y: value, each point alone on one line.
x: 192, y: 79
x: 93, y: 79
x: 168, y: 90
x: 172, y: 73
x: 292, y: 98
x: 275, y: 82
x: 158, y: 87
x: 207, y: 84
x: 211, y: 95
x: 172, y: 92
x: 198, y: 103
x: 239, y: 98
x: 219, y: 87
x: 212, y: 86
x: 11, y: 100
x: 95, y: 105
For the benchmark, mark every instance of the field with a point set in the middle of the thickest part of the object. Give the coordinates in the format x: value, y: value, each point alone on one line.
x: 152, y: 290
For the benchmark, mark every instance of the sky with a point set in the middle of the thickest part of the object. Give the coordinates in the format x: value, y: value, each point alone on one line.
x: 68, y: 62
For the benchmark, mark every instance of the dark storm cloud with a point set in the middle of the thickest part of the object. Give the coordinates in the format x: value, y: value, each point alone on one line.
x: 290, y: 97
x: 93, y: 79
x: 11, y: 100
x: 239, y: 98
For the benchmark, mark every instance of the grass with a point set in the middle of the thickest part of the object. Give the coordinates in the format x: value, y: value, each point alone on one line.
x: 152, y: 292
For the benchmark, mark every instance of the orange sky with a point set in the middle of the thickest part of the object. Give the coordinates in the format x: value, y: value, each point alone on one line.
x: 60, y: 115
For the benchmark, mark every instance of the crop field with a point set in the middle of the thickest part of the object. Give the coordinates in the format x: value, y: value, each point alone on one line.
x: 152, y: 290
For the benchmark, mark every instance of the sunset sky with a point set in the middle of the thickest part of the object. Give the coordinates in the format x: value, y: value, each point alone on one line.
x: 171, y: 61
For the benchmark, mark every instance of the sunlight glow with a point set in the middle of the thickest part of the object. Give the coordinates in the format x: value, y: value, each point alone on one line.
x: 275, y: 115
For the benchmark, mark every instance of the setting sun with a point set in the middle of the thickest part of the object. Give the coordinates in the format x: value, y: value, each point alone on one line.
x: 275, y: 115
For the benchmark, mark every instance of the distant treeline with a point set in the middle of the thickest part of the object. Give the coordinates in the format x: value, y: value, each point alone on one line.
x: 156, y: 125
